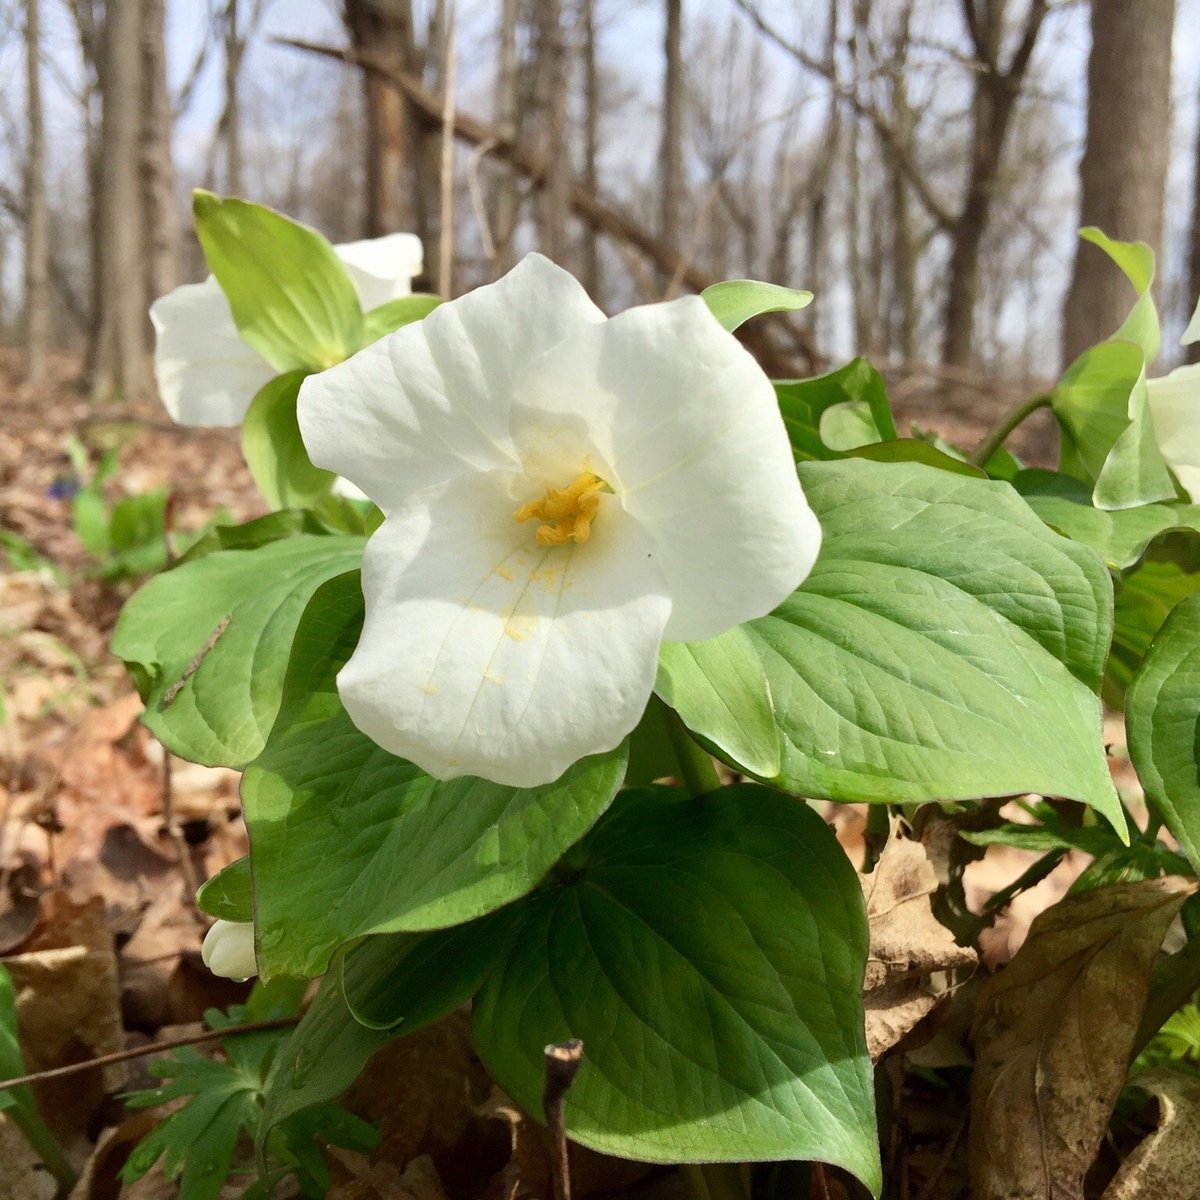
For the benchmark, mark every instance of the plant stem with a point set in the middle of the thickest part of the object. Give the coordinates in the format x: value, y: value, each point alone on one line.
x: 562, y: 1065
x: 696, y: 770
x: 1008, y: 423
x: 119, y: 1056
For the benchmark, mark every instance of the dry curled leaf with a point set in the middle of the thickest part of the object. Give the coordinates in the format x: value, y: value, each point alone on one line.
x: 908, y: 947
x: 1167, y: 1163
x: 1053, y: 1035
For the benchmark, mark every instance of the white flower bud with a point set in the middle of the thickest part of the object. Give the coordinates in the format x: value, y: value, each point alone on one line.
x: 228, y: 950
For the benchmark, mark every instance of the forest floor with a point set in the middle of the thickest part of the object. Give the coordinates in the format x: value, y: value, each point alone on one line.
x: 87, y: 859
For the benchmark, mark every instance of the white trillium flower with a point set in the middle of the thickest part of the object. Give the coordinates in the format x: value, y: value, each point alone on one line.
x: 228, y: 949
x: 561, y: 493
x: 1175, y: 411
x: 207, y: 375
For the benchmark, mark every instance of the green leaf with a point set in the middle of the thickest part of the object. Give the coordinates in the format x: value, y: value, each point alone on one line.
x: 291, y: 297
x: 651, y: 753
x: 946, y: 646
x: 1145, y: 597
x: 1135, y: 472
x: 207, y: 642
x: 1101, y: 402
x: 275, y: 451
x: 1101, y: 405
x: 349, y: 840
x: 398, y: 982
x: 1136, y: 260
x: 1120, y: 537
x: 682, y: 952
x: 915, y: 450
x: 735, y: 301
x: 1130, y: 864
x: 228, y: 895
x: 803, y: 402
x: 274, y: 527
x: 1162, y: 719
x: 723, y: 686
x: 1003, y: 464
x: 389, y: 317
x: 89, y: 516
x: 199, y: 1138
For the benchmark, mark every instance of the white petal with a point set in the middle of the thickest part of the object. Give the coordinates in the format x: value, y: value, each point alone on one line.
x: 433, y: 399
x: 347, y: 490
x: 683, y: 424
x: 382, y: 268
x: 206, y: 374
x: 486, y: 654
x: 228, y: 949
x: 1175, y: 411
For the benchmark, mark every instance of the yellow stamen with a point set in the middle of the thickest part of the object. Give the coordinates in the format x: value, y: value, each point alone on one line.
x: 568, y: 512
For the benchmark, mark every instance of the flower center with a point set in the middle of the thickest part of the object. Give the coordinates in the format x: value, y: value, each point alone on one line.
x: 568, y: 511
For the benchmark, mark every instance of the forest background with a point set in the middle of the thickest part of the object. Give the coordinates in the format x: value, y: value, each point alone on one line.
x: 922, y: 165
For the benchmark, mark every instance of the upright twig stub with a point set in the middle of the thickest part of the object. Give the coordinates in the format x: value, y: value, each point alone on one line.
x: 562, y: 1065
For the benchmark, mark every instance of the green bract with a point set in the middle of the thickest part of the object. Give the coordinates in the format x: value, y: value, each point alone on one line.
x: 947, y: 645
x: 737, y: 300
x: 690, y: 930
x: 208, y: 642
x: 1102, y: 404
x: 1162, y: 715
x: 291, y: 299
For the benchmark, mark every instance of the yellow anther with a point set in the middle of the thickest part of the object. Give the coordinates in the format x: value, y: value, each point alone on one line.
x: 568, y: 512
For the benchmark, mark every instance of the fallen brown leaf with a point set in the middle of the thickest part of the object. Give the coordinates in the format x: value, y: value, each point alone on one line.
x: 68, y: 1009
x: 908, y: 946
x: 356, y: 1177
x: 1165, y: 1165
x: 22, y: 1174
x: 99, y: 1178
x: 1053, y: 1034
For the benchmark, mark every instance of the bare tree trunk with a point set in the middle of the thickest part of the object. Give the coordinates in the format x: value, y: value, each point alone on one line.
x: 859, y: 286
x: 37, y: 217
x: 997, y: 89
x: 508, y: 110
x: 551, y: 109
x: 231, y: 118
x: 446, y: 224
x: 904, y: 257
x: 671, y: 149
x: 4, y: 247
x: 121, y: 361
x: 1193, y: 351
x: 161, y: 220
x: 1123, y: 174
x: 88, y: 27
x: 590, y: 265
x: 382, y: 30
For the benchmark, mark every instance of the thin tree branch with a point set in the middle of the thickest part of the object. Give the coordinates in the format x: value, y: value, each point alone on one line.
x: 120, y: 1056
x: 427, y: 111
x: 938, y: 211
